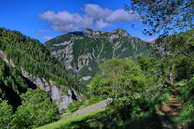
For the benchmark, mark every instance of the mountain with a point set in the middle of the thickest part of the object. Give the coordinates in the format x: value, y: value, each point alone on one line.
x: 26, y: 63
x: 81, y: 52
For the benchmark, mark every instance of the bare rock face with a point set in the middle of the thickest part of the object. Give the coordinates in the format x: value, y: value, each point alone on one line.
x: 4, y: 57
x: 62, y: 99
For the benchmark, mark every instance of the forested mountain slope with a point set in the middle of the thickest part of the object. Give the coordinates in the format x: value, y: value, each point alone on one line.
x: 81, y: 52
x: 26, y: 63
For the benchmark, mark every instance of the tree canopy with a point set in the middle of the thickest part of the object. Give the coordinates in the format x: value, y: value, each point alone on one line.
x: 165, y: 16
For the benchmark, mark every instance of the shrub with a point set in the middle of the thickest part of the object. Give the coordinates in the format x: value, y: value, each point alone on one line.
x: 37, y: 109
x: 5, y: 115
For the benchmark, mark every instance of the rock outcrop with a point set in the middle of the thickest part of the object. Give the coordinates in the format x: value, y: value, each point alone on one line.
x: 62, y: 99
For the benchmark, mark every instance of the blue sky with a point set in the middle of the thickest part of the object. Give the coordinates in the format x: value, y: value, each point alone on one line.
x: 44, y: 19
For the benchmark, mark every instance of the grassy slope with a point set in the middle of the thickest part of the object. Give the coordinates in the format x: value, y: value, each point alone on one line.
x: 69, y: 120
x: 66, y: 123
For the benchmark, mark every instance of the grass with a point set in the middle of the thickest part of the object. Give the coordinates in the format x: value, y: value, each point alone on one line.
x: 65, y: 123
x: 77, y: 105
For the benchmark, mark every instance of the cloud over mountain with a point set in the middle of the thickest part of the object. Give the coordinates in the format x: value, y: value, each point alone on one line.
x: 93, y: 16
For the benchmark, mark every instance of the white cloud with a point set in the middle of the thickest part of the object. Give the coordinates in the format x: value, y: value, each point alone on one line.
x: 93, y: 16
x: 122, y: 16
x: 96, y: 11
x: 102, y: 24
x: 65, y: 21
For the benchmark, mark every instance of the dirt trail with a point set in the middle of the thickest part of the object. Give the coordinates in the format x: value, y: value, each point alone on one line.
x: 170, y: 109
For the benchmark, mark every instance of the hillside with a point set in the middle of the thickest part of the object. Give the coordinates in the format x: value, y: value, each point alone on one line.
x: 26, y: 63
x: 81, y: 52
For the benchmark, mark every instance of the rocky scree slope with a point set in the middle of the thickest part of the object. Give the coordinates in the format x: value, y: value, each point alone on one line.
x: 81, y: 52
x: 26, y: 63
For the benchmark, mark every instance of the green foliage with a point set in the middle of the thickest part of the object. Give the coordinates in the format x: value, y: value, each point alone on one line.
x: 177, y: 45
x: 153, y: 67
x: 5, y: 115
x: 187, y: 98
x: 183, y: 68
x: 36, y: 110
x: 120, y: 78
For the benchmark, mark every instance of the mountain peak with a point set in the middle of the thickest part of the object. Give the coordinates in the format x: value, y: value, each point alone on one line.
x: 122, y: 32
x: 119, y: 32
x: 88, y: 30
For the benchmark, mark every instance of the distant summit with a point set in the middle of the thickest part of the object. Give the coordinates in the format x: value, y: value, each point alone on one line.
x: 89, y: 32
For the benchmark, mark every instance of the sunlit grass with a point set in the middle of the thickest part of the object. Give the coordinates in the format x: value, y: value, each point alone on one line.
x: 65, y: 122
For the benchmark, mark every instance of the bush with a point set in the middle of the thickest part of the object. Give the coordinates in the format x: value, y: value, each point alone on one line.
x: 5, y: 115
x: 120, y: 78
x: 184, y: 68
x: 186, y: 115
x: 36, y: 110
